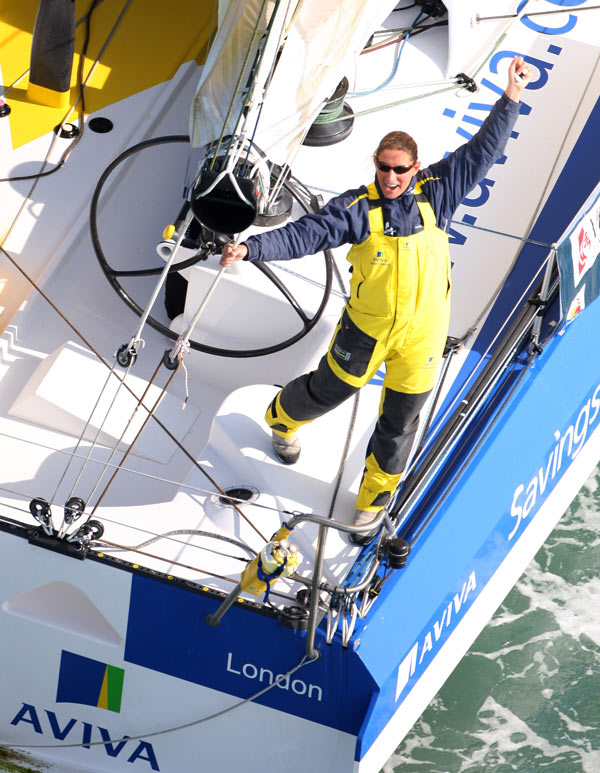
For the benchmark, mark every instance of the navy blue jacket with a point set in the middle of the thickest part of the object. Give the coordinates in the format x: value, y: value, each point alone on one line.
x: 452, y: 179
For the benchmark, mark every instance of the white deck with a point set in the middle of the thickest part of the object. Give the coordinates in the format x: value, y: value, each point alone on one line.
x: 222, y: 426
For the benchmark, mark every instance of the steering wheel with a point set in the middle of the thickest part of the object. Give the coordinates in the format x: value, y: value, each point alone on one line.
x: 114, y: 276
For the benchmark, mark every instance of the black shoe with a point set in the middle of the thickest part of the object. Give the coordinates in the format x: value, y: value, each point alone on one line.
x: 287, y: 449
x: 363, y: 539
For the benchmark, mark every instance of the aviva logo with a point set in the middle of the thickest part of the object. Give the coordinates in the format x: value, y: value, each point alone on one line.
x: 89, y: 682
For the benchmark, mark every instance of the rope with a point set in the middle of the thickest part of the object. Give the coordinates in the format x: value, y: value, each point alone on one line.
x: 330, y: 112
x: 377, y: 109
x: 407, y: 100
x: 136, y: 339
x: 280, y: 678
x: 396, y: 64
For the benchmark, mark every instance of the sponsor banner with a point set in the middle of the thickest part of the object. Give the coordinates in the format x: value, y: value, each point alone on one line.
x: 89, y: 682
x: 578, y: 256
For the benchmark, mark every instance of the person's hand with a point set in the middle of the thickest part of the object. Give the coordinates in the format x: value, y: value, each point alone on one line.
x: 518, y: 77
x: 232, y: 252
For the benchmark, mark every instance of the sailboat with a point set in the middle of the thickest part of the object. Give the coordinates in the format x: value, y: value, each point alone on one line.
x: 172, y: 597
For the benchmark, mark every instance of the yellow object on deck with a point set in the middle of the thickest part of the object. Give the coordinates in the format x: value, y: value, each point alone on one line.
x: 277, y: 559
x: 49, y: 97
x: 148, y: 46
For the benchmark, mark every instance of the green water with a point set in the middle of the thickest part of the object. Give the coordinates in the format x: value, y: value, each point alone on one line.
x: 526, y: 697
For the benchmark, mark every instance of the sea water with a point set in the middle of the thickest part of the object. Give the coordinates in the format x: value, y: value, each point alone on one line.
x: 526, y: 697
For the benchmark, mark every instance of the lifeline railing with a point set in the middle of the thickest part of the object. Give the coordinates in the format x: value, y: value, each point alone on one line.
x: 324, y: 523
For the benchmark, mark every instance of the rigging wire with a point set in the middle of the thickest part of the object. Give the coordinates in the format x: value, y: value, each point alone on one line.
x: 130, y: 470
x: 137, y: 337
x: 364, y: 111
x: 93, y: 444
x: 282, y: 33
x: 192, y: 532
x: 90, y: 346
x: 473, y: 451
x: 82, y: 434
x: 564, y: 9
x: 136, y: 438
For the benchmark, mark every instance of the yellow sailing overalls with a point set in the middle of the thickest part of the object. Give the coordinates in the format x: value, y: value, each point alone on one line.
x: 398, y: 313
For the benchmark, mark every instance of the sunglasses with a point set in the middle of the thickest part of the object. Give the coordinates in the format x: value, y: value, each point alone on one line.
x: 396, y: 169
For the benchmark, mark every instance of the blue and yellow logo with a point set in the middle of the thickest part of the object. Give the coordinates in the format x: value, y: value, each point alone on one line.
x: 89, y: 682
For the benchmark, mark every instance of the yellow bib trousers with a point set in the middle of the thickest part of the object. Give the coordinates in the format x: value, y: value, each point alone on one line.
x: 398, y: 314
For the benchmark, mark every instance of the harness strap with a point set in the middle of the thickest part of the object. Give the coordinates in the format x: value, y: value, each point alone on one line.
x: 376, y: 210
x: 268, y: 578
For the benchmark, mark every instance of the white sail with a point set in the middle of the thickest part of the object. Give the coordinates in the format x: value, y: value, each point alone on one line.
x: 320, y: 40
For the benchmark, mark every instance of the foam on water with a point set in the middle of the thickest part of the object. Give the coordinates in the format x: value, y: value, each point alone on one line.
x: 527, y: 696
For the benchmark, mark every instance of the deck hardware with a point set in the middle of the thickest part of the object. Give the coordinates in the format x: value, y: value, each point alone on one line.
x: 369, y: 595
x: 324, y: 131
x: 67, y: 131
x: 225, y: 202
x: 73, y: 509
x: 295, y: 617
x: 541, y: 301
x: 433, y: 8
x: 113, y: 276
x: 4, y: 108
x: 396, y: 549
x: 169, y: 362
x: 333, y: 618
x: 101, y: 125
x: 90, y: 530
x: 125, y: 355
x: 466, y: 82
x: 236, y: 493
x: 40, y: 509
x: 303, y: 597
x: 350, y: 613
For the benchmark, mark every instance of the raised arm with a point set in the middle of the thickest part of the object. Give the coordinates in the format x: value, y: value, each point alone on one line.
x: 455, y: 176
